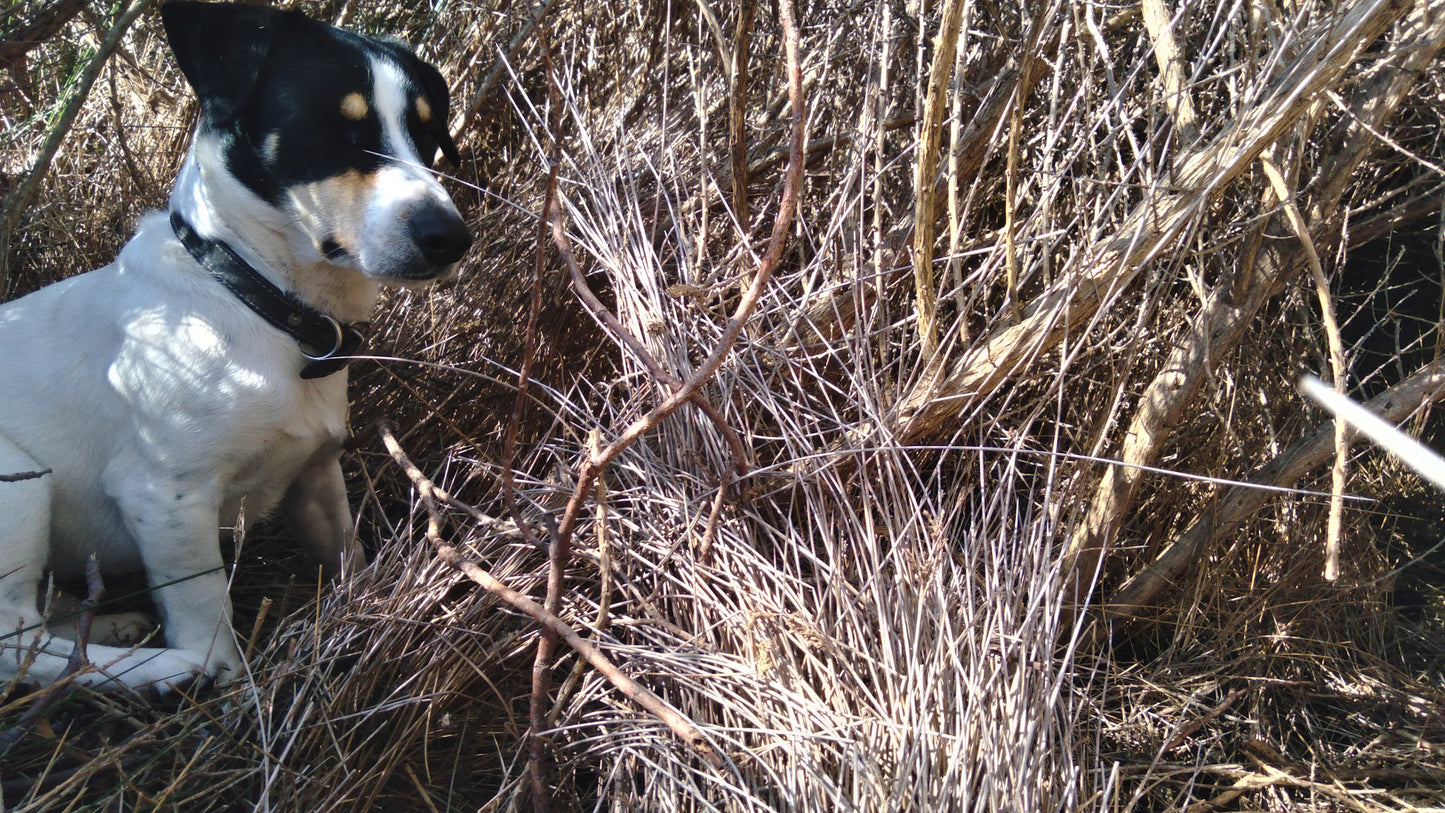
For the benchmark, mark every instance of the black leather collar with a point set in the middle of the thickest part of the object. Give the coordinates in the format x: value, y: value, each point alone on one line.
x: 326, y: 343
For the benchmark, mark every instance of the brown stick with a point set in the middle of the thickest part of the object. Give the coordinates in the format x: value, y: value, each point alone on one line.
x: 529, y: 342
x: 737, y: 114
x: 614, y: 326
x: 547, y: 643
x: 429, y: 494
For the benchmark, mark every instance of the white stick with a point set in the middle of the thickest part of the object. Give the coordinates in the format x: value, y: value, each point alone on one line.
x: 1411, y: 452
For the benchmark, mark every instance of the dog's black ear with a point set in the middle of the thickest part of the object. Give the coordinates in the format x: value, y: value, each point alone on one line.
x: 449, y: 147
x: 435, y: 87
x: 220, y: 48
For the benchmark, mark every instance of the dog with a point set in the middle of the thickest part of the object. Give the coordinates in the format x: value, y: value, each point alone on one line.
x: 201, y: 377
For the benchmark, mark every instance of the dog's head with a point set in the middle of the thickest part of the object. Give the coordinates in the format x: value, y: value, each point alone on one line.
x: 334, y: 130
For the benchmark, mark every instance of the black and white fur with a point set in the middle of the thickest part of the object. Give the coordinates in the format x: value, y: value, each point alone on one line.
x: 159, y: 404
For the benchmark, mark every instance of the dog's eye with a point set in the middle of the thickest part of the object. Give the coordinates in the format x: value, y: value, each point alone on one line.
x: 356, y: 135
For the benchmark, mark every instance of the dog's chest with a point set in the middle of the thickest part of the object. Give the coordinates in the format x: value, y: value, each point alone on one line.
x: 286, y: 434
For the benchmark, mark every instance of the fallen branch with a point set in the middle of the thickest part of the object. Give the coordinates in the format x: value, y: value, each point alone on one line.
x: 638, y: 693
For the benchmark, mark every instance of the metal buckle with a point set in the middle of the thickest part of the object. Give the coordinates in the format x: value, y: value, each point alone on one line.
x: 335, y: 348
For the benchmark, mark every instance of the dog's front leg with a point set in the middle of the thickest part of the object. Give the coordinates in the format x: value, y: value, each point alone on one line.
x: 319, y: 515
x: 174, y: 524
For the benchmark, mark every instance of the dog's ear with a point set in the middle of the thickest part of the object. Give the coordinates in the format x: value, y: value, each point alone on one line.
x: 449, y: 148
x: 435, y: 87
x: 220, y: 48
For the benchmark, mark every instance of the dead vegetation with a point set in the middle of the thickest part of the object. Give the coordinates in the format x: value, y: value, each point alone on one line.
x: 965, y: 514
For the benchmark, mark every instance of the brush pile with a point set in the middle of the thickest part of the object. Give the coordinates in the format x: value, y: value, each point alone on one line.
x: 968, y: 513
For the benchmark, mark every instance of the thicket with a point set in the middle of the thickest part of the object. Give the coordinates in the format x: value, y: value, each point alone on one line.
x: 985, y: 484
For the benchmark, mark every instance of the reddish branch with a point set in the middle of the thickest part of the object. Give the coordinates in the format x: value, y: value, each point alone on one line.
x: 529, y: 341
x: 536, y: 756
x: 596, y: 461
x: 432, y: 497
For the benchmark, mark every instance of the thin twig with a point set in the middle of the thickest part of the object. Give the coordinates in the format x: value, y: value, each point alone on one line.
x: 95, y: 593
x: 547, y: 642
x: 1011, y: 169
x: 776, y: 242
x: 737, y: 115
x: 529, y: 341
x: 614, y: 326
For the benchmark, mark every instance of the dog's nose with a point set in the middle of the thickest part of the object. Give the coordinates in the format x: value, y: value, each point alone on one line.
x: 440, y: 234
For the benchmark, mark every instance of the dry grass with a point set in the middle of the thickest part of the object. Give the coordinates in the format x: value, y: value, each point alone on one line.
x: 880, y: 614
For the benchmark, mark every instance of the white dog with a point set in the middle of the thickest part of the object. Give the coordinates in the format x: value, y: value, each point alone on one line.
x: 202, y: 373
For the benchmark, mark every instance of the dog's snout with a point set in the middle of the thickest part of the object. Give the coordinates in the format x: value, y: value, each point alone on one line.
x: 440, y: 234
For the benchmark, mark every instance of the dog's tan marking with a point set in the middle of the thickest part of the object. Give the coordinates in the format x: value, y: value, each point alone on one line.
x: 336, y: 207
x: 354, y: 106
x: 423, y: 109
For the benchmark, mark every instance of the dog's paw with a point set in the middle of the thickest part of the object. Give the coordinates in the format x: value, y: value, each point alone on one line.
x: 165, y: 670
x: 221, y: 667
